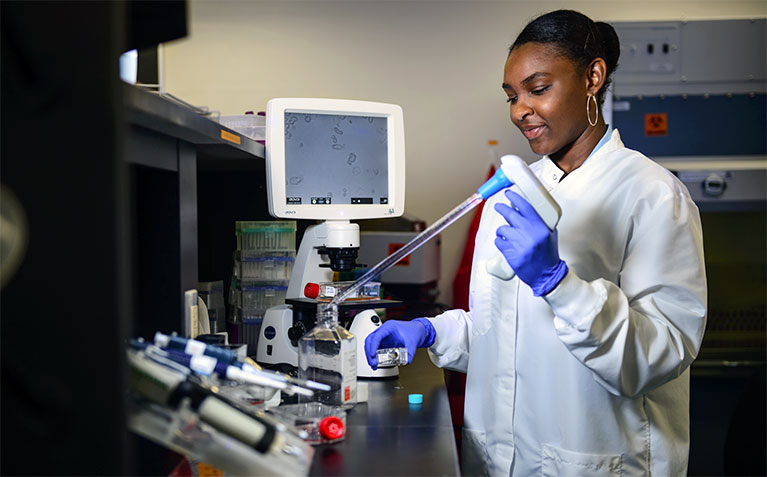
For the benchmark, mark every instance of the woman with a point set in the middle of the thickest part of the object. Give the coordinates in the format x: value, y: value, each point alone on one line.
x: 580, y: 364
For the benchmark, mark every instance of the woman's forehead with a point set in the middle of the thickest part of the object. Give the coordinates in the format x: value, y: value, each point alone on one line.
x: 532, y: 57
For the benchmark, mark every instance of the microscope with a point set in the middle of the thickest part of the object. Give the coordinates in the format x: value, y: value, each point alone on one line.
x: 333, y: 161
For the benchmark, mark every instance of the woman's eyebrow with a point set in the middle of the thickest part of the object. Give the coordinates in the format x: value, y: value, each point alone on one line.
x: 534, y: 76
x: 526, y: 80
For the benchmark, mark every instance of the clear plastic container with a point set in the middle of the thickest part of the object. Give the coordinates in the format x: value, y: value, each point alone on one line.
x: 266, y: 236
x: 256, y: 295
x: 250, y: 125
x: 326, y: 291
x: 328, y: 354
x: 321, y: 423
x: 263, y: 265
x: 251, y: 398
x: 390, y: 357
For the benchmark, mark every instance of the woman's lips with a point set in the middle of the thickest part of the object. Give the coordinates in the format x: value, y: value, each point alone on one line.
x: 533, y: 132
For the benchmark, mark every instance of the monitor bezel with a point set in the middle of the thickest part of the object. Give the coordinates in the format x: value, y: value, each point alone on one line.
x: 275, y: 159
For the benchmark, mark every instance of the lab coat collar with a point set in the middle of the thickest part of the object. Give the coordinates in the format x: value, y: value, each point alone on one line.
x: 551, y: 174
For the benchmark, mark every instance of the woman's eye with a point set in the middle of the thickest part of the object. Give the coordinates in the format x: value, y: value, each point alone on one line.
x: 512, y: 100
x: 538, y: 91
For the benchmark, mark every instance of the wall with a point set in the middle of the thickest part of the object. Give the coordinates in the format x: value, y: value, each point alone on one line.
x: 442, y: 61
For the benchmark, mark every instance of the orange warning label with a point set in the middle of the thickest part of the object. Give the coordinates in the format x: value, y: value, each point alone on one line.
x: 205, y: 470
x: 656, y: 124
x: 227, y: 136
x: 405, y: 261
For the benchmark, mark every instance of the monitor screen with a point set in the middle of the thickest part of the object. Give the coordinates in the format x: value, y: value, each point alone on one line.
x: 333, y: 159
x: 336, y: 159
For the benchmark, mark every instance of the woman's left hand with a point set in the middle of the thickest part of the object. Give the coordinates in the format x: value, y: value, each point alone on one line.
x: 529, y: 246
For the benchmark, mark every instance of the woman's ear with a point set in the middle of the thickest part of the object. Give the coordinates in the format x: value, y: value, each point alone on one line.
x: 596, y: 73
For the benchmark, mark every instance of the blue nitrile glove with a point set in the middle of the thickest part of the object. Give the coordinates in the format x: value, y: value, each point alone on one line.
x: 529, y: 246
x: 418, y: 333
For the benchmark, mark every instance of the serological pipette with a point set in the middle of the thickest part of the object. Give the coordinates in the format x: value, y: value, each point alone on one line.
x: 513, y: 171
x: 499, y: 181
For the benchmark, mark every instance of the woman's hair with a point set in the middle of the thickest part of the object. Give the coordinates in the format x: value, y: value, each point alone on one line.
x: 577, y: 37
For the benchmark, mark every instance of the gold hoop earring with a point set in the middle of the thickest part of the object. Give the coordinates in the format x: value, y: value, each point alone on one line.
x: 588, y: 112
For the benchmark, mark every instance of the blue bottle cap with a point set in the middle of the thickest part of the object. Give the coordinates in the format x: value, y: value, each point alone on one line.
x: 415, y: 398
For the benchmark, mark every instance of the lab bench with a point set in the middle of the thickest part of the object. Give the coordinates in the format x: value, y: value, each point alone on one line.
x: 388, y: 436
x: 191, y: 179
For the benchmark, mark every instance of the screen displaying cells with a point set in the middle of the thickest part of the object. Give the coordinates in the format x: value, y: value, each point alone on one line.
x: 335, y: 159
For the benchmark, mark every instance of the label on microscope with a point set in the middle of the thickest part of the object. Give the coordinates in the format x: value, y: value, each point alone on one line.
x: 328, y: 291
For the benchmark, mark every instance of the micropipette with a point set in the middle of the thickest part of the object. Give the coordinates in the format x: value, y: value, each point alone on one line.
x: 194, y: 348
x: 198, y: 348
x: 206, y: 365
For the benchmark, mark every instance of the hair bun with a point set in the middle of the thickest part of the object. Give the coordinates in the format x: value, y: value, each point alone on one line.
x: 611, y: 44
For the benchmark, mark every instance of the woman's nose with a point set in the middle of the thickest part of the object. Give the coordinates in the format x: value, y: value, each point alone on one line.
x: 520, y: 111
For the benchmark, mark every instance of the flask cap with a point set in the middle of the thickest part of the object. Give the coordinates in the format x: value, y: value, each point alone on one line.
x: 312, y: 290
x: 415, y: 398
x: 332, y: 428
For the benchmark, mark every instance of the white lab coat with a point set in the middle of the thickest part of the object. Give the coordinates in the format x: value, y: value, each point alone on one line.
x: 592, y: 379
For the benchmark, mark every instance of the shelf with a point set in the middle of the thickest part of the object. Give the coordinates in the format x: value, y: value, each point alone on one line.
x: 190, y: 179
x: 151, y: 111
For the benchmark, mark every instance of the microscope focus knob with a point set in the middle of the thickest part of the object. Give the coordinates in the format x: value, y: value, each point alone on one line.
x: 296, y: 331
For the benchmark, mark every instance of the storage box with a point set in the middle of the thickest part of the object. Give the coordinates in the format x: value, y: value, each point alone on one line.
x: 266, y: 236
x: 257, y: 295
x: 250, y: 125
x: 263, y: 265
